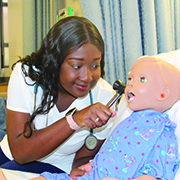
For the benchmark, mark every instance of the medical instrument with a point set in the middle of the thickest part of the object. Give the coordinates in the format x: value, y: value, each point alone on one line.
x: 91, y: 141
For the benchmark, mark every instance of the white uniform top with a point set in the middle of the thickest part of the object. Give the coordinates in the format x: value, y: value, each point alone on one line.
x: 21, y: 99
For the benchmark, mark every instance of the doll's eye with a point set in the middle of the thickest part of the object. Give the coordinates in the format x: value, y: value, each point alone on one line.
x: 129, y: 79
x: 143, y: 79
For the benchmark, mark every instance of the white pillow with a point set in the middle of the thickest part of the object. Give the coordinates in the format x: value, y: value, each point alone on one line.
x: 173, y: 57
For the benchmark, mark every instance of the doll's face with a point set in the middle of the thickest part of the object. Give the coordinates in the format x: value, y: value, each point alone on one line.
x: 142, y: 90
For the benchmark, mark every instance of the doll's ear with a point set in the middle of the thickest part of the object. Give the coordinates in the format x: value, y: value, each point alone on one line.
x: 164, y: 95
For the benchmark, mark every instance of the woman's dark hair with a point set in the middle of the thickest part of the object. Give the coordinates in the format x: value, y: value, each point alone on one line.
x: 66, y: 36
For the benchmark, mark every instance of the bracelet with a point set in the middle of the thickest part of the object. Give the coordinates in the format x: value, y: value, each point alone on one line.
x: 72, y: 123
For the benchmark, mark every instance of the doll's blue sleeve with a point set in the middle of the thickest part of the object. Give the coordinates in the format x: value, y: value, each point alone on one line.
x: 55, y: 176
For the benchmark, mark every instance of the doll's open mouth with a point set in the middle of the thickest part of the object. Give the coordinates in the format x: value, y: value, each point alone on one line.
x: 130, y: 95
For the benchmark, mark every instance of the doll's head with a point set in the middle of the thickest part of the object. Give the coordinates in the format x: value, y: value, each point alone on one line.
x: 152, y: 84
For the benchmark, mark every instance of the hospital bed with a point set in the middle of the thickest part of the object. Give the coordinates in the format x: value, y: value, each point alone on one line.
x: 172, y: 57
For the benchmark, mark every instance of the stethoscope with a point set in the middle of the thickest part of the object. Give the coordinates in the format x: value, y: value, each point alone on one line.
x: 35, y: 93
x: 91, y: 141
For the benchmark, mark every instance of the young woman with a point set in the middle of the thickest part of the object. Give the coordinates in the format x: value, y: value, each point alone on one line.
x: 64, y: 74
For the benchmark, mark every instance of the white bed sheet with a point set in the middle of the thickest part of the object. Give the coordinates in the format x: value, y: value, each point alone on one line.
x: 18, y: 175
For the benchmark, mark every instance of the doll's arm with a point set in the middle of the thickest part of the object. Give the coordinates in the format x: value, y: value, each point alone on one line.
x: 143, y: 177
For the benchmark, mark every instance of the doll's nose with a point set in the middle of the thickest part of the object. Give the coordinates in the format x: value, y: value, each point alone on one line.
x: 130, y: 83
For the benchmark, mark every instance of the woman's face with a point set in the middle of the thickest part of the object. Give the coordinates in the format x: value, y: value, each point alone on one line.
x: 80, y: 70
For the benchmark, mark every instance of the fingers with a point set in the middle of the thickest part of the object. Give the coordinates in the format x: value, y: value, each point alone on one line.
x: 95, y: 115
x: 113, y: 113
x: 100, y: 114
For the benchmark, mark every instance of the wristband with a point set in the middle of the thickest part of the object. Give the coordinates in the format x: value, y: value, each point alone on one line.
x: 71, y: 121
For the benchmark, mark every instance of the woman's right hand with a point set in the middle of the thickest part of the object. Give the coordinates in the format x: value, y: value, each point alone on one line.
x: 95, y: 115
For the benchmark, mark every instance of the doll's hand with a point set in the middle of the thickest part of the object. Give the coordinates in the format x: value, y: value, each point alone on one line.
x: 86, y: 167
x: 81, y: 170
x: 75, y: 173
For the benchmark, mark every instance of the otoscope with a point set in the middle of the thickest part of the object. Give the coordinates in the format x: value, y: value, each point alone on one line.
x: 119, y: 86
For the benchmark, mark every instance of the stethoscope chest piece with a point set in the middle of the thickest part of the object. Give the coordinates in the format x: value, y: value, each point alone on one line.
x: 91, y: 142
